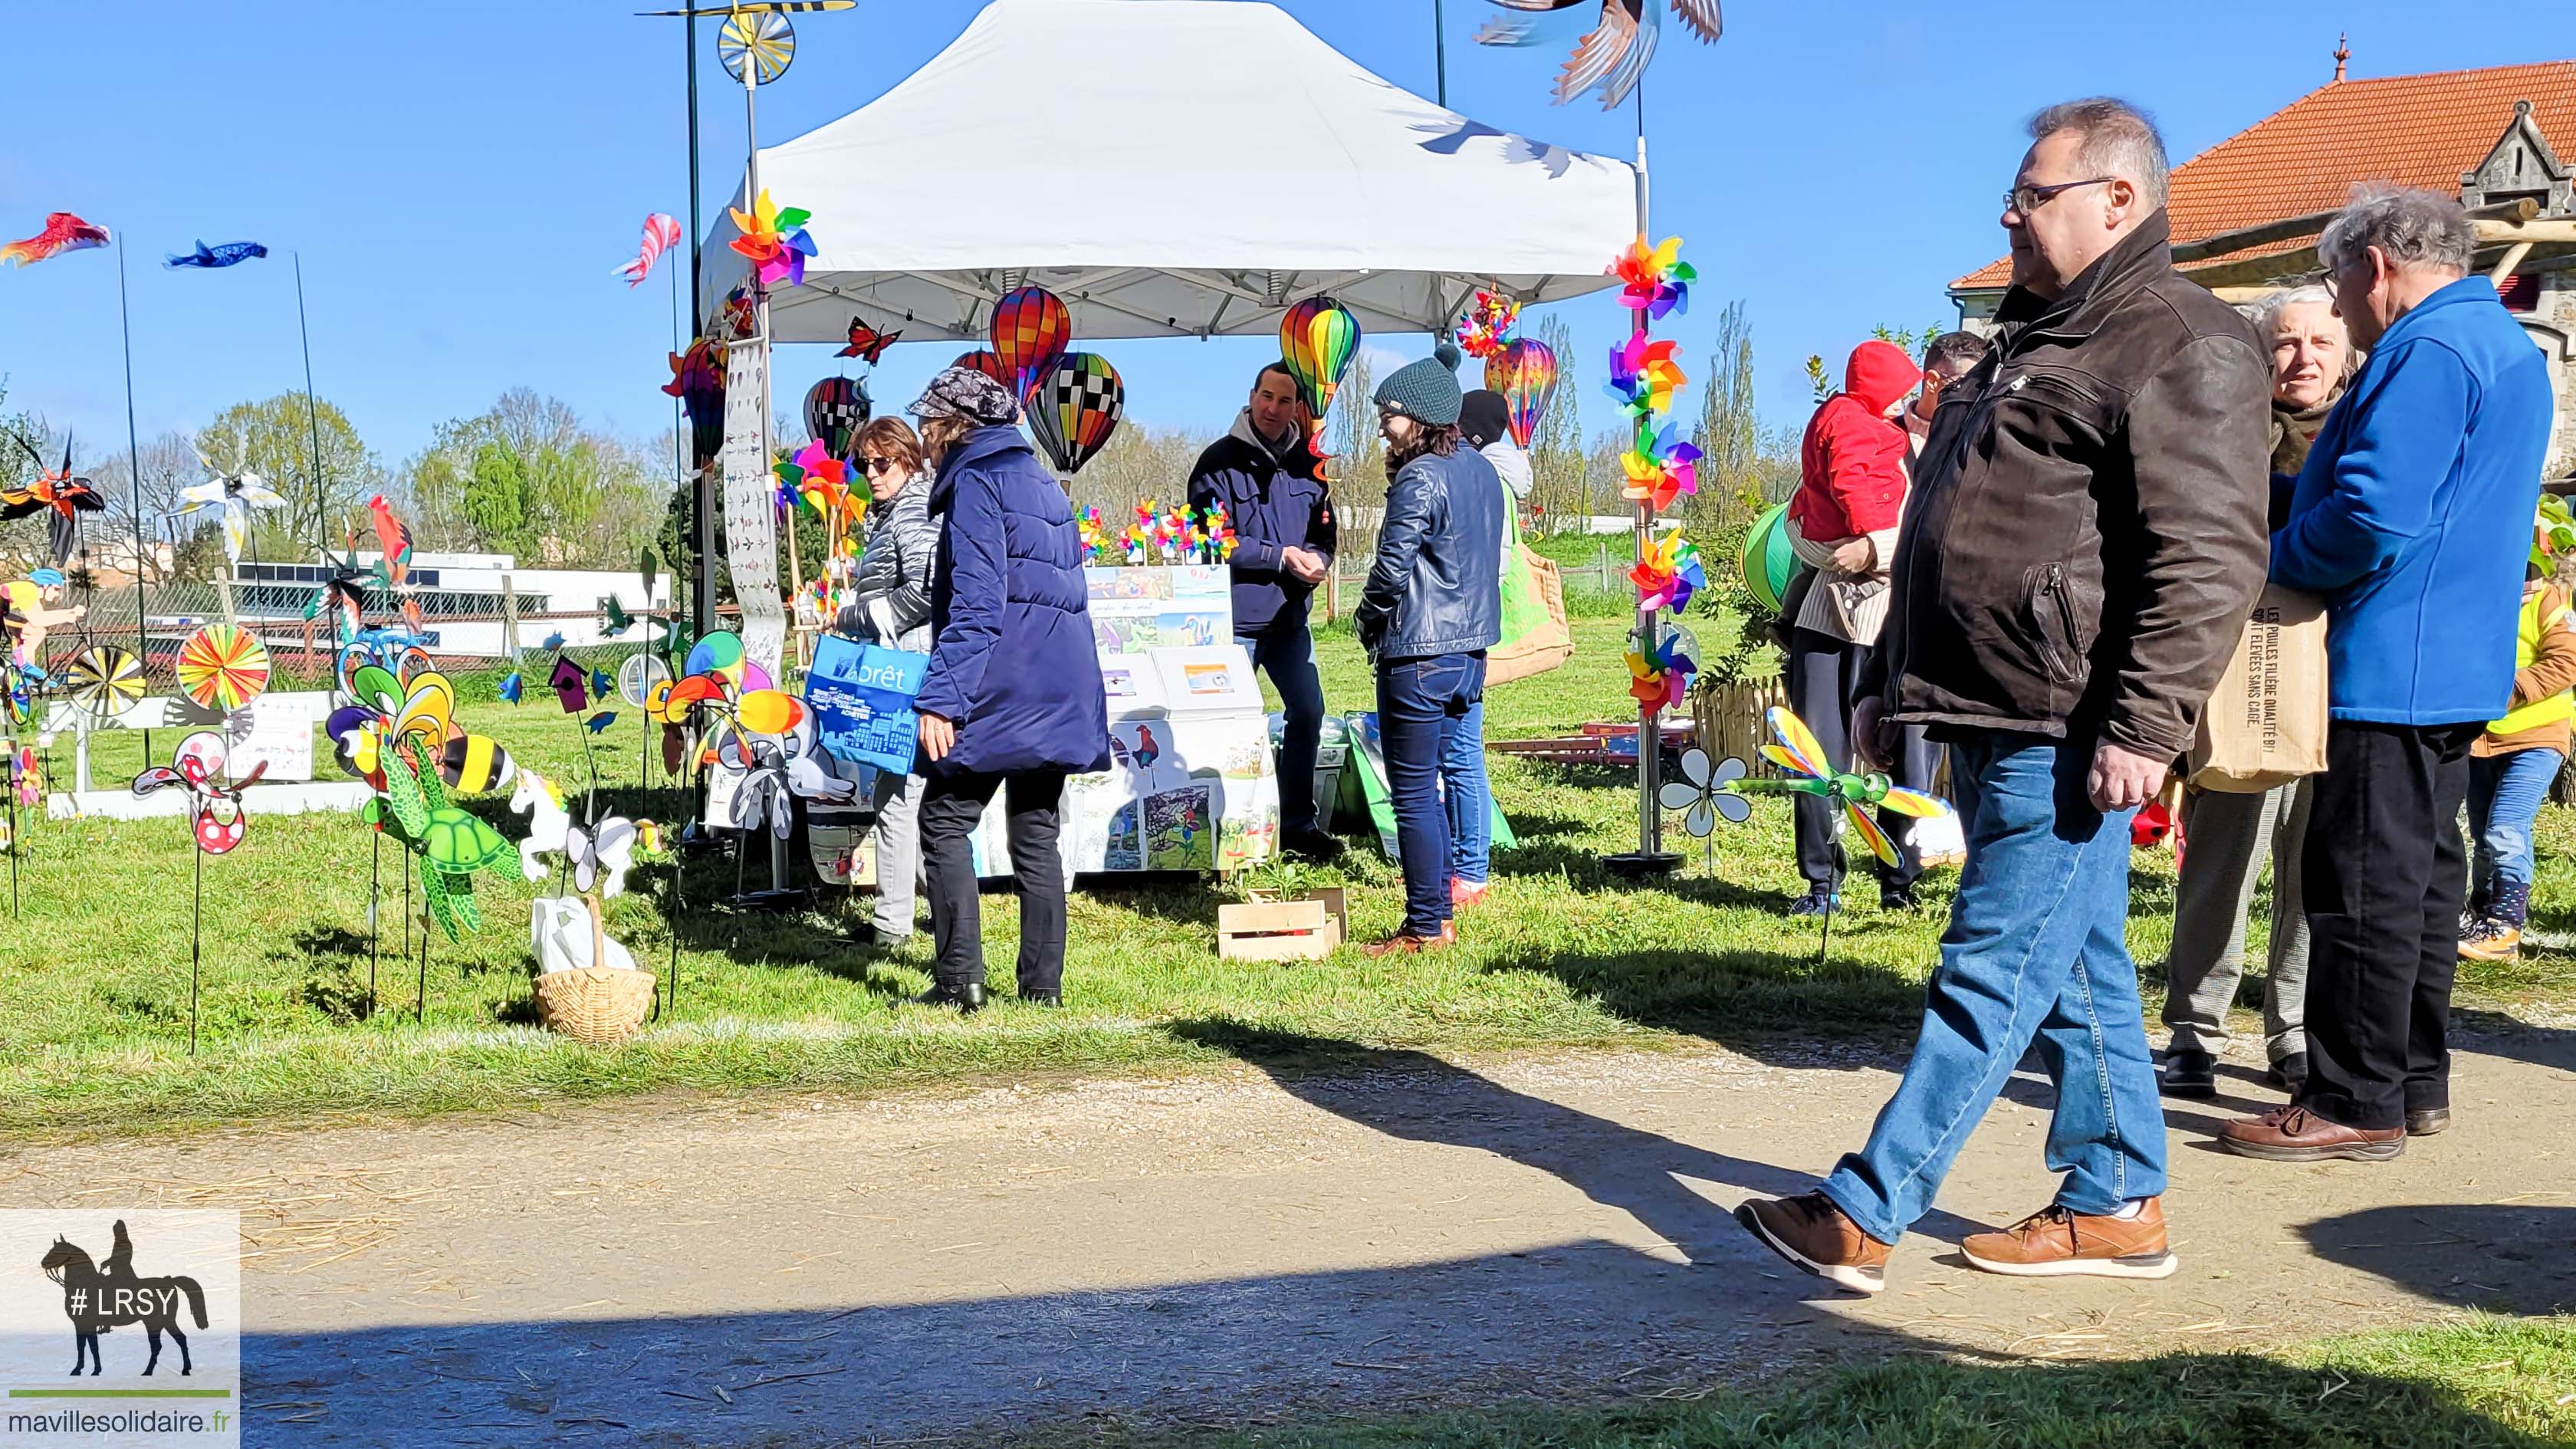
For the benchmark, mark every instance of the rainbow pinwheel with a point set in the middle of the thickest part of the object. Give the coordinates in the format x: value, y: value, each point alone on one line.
x: 1644, y: 376
x: 1655, y: 280
x: 774, y: 240
x: 1661, y: 468
x: 1488, y: 326
x: 1658, y: 677
x: 1669, y: 573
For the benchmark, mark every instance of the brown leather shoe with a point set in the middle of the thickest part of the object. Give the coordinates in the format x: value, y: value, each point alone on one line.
x: 1810, y: 1231
x: 2296, y: 1134
x: 1407, y: 944
x: 2057, y: 1241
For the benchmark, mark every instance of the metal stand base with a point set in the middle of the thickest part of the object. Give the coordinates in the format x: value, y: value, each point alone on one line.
x: 770, y: 902
x: 1643, y: 864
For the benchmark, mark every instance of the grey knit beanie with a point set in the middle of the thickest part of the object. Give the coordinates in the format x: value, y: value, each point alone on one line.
x: 1426, y: 391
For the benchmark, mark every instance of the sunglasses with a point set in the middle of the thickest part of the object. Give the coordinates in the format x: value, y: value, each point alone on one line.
x: 874, y: 466
x: 2027, y: 199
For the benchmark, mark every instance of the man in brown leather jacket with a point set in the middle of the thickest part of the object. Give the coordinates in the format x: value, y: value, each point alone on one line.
x: 2084, y: 538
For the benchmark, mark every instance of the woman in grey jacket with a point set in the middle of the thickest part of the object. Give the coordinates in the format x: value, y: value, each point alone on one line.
x: 890, y: 605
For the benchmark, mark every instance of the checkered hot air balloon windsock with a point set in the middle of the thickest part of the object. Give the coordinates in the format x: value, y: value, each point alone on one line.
x: 1076, y: 408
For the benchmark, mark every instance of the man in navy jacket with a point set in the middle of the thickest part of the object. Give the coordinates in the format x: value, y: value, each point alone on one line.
x: 2413, y: 519
x: 1265, y: 477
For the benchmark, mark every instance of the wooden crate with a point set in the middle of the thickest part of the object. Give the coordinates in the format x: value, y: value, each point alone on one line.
x: 1271, y: 929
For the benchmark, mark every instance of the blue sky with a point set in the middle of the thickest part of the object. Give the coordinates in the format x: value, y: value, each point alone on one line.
x: 460, y: 177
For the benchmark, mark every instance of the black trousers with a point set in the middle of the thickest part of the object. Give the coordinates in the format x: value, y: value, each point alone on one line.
x: 1822, y: 673
x: 2384, y: 872
x: 950, y: 808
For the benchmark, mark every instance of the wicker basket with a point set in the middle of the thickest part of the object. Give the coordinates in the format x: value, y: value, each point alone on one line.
x: 595, y: 1004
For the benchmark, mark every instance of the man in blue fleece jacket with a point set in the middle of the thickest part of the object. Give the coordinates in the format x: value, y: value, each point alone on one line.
x: 2412, y: 518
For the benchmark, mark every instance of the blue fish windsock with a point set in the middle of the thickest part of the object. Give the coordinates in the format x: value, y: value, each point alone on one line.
x: 223, y: 255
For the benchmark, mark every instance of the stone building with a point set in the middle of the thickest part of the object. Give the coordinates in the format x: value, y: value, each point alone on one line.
x: 2246, y: 212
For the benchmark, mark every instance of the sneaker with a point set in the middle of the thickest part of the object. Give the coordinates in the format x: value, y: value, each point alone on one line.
x: 2289, y: 1074
x: 2057, y: 1241
x: 1465, y: 892
x: 2491, y: 940
x: 2191, y: 1074
x: 1819, y: 1237
x: 1816, y: 902
x: 1898, y: 898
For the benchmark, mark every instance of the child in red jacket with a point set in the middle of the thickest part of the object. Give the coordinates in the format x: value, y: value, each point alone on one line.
x: 1842, y: 521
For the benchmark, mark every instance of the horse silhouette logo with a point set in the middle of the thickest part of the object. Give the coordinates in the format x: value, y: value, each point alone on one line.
x: 97, y: 1299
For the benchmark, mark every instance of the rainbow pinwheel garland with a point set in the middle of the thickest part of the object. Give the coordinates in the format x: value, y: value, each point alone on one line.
x: 1655, y: 280
x: 774, y: 240
x: 1177, y: 535
x: 1669, y: 573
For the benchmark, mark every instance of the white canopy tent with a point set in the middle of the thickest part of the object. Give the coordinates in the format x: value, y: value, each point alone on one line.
x: 1170, y: 168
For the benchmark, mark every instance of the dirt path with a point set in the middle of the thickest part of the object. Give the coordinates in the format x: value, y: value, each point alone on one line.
x: 820, y: 1271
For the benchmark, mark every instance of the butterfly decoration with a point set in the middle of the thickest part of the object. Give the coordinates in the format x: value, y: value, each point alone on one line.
x: 63, y: 232
x: 1796, y: 750
x: 774, y: 240
x: 867, y: 344
x: 235, y: 494
x: 661, y: 233
x: 56, y: 489
x: 222, y: 254
x: 200, y: 766
x: 601, y: 854
x: 1613, y: 55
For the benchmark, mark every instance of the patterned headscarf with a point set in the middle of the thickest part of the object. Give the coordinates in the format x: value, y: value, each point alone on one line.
x: 962, y: 392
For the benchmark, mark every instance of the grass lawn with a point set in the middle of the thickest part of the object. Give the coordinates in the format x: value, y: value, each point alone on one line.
x: 2476, y: 1384
x: 94, y: 975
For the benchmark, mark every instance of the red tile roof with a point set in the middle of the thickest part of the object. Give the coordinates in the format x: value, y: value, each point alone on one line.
x: 2414, y: 130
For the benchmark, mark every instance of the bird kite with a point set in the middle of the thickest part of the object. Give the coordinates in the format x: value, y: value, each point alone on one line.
x: 236, y: 494
x: 56, y: 489
x: 63, y: 232
x: 222, y: 255
x: 393, y: 537
x: 1614, y: 54
x: 867, y: 344
x: 661, y: 233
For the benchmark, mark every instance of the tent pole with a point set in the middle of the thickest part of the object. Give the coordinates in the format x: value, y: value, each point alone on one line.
x: 1440, y: 54
x: 702, y: 529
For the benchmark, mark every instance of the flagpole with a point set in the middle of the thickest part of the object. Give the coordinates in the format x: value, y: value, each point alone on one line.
x: 312, y: 416
x: 134, y: 476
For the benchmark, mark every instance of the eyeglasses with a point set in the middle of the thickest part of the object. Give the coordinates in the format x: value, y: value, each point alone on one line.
x: 2027, y: 199
x: 874, y: 466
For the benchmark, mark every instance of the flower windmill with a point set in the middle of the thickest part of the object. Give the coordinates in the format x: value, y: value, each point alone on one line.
x: 1703, y: 794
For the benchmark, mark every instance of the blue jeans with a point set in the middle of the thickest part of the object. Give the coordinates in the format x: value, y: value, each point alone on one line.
x: 2034, y: 950
x: 2505, y: 796
x: 1420, y: 705
x: 1469, y: 797
x: 1285, y: 650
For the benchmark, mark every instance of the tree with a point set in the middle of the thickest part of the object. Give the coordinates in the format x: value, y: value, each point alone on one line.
x: 1729, y: 434
x: 528, y: 480
x: 177, y: 548
x: 275, y: 439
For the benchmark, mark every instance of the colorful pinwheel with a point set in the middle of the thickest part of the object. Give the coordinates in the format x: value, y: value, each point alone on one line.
x: 1488, y: 326
x: 222, y: 667
x: 774, y: 240
x: 1661, y: 468
x: 1644, y: 376
x: 1655, y: 280
x: 1658, y: 677
x: 1669, y: 573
